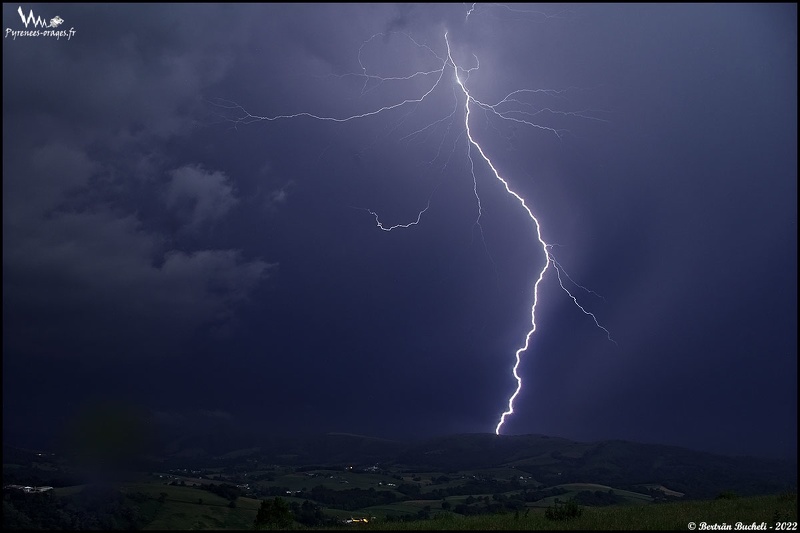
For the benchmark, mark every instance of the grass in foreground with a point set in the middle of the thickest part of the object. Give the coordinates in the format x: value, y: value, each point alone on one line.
x: 667, y: 516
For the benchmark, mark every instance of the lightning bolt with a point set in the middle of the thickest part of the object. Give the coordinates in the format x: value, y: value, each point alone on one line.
x: 518, y: 355
x: 550, y: 260
x: 512, y: 108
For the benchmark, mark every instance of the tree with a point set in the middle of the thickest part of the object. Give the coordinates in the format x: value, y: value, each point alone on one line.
x: 273, y: 513
x: 308, y: 514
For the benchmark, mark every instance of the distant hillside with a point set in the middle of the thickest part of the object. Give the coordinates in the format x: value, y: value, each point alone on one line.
x: 549, y: 460
x: 332, y: 448
x: 546, y: 460
x: 622, y: 464
x: 329, y: 449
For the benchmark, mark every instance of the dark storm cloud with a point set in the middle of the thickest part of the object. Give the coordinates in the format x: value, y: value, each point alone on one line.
x: 206, y: 196
x: 74, y: 152
x: 137, y: 219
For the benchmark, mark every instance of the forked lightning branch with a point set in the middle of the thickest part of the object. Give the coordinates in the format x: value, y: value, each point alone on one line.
x: 514, y: 107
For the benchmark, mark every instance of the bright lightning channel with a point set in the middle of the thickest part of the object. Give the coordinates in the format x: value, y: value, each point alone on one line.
x: 238, y: 115
x: 545, y: 247
x: 518, y: 354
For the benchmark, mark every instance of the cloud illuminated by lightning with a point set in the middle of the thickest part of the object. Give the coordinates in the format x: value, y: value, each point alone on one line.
x: 513, y: 108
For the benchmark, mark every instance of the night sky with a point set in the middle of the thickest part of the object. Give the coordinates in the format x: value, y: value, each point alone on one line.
x: 164, y: 251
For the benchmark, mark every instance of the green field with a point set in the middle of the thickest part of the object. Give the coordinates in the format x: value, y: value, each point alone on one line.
x: 498, y: 484
x: 169, y: 507
x: 183, y: 510
x: 631, y: 498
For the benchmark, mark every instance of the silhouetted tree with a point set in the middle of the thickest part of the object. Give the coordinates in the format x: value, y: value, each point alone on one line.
x: 273, y: 514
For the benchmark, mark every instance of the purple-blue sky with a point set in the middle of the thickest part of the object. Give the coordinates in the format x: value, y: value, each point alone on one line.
x: 156, y: 254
